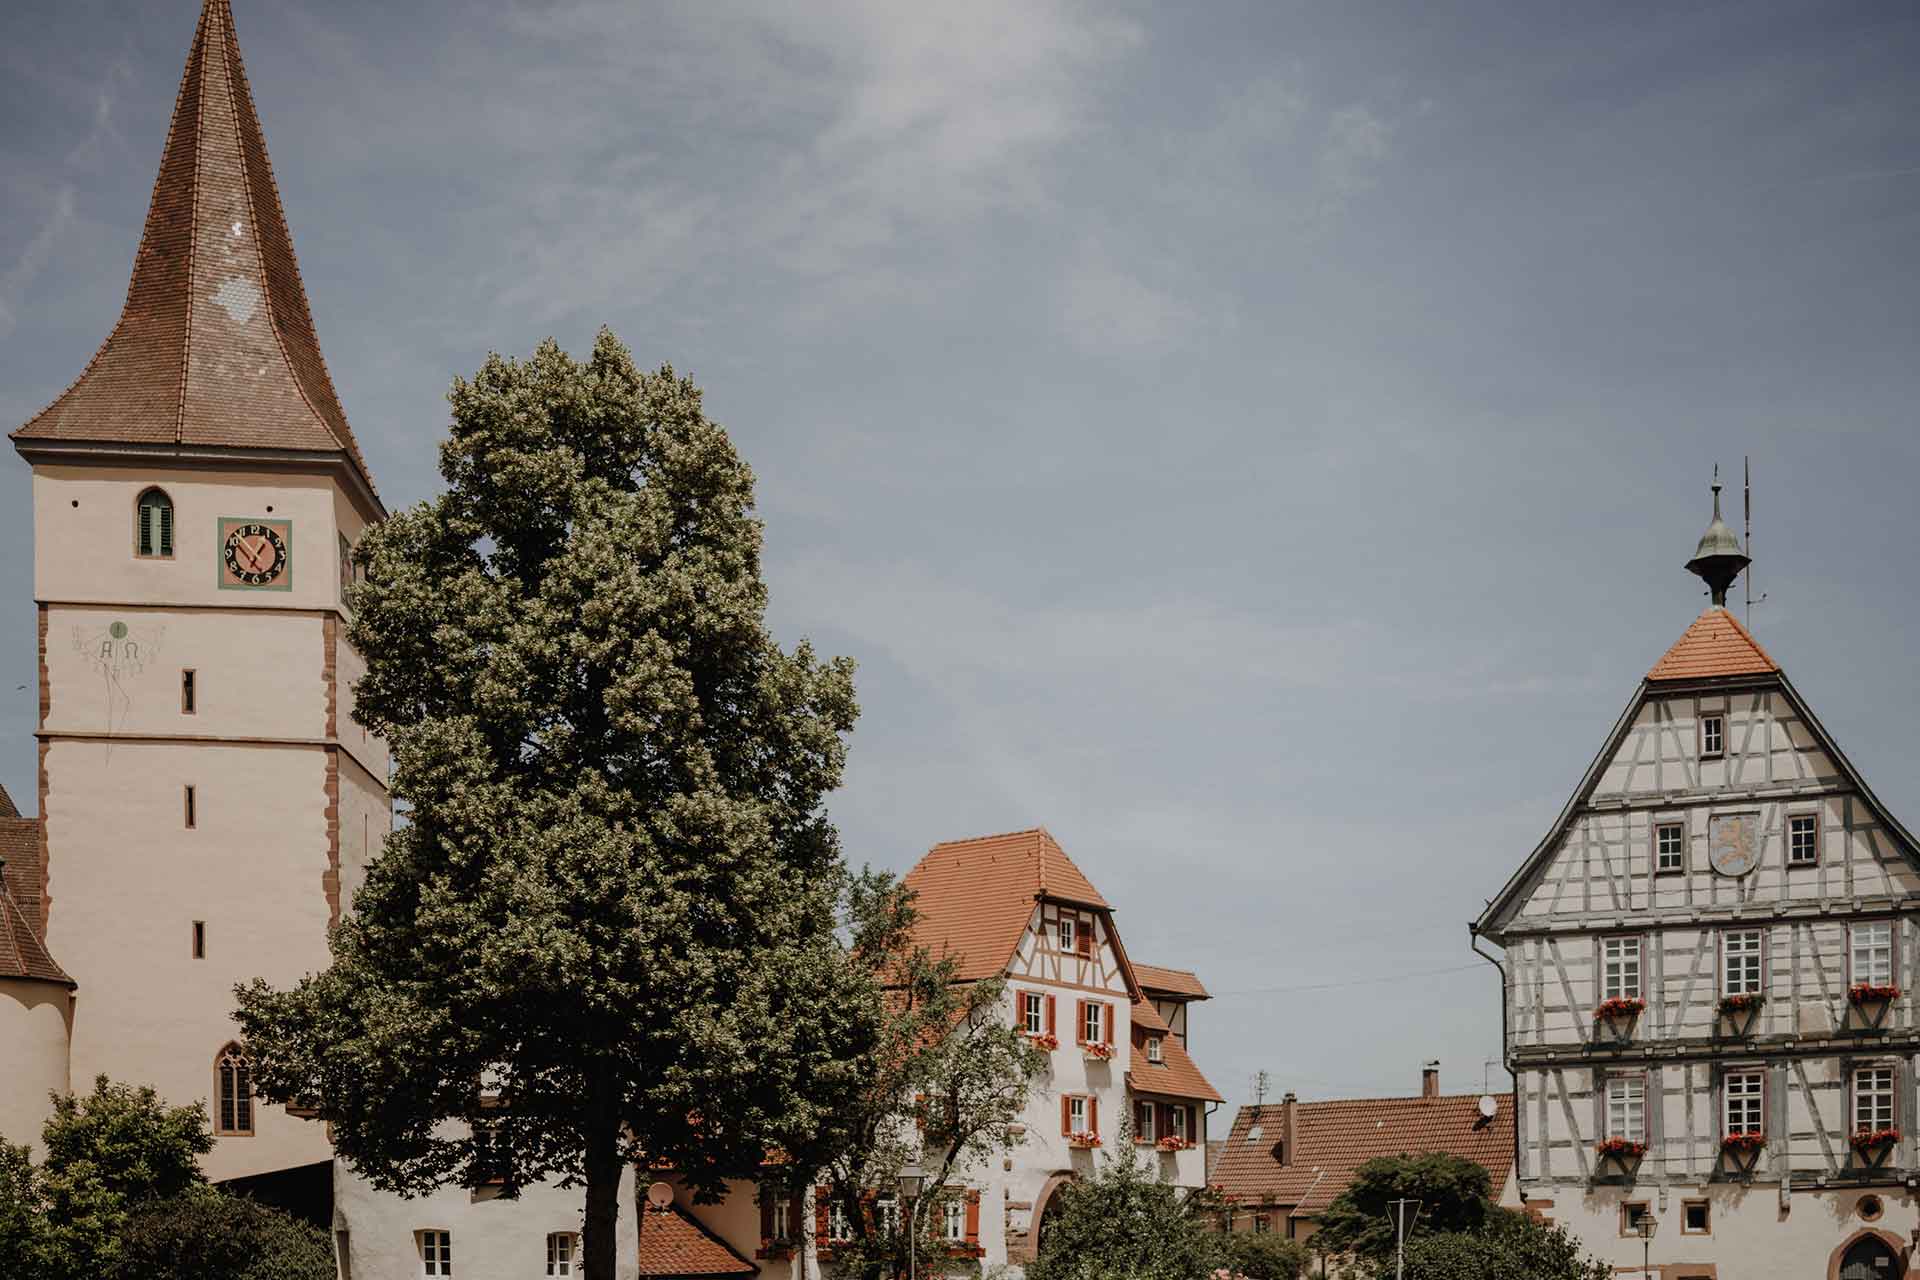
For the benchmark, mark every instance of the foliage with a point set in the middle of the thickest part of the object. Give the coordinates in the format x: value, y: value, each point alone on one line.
x: 1264, y: 1255
x: 1455, y: 1194
x: 206, y: 1235
x: 941, y: 1079
x: 23, y: 1238
x: 135, y: 1145
x: 1511, y: 1246
x: 1124, y: 1223
x: 611, y: 910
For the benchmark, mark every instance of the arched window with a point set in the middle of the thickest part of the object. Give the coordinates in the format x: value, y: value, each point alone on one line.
x: 233, y: 1086
x: 153, y: 526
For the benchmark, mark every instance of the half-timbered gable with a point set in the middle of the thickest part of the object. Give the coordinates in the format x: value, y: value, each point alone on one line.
x: 1708, y: 960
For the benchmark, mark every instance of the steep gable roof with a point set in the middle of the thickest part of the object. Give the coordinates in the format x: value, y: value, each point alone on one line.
x: 1715, y: 645
x: 976, y: 897
x: 674, y: 1243
x: 1181, y: 984
x: 215, y: 346
x: 1177, y: 1075
x: 22, y: 952
x: 1333, y: 1139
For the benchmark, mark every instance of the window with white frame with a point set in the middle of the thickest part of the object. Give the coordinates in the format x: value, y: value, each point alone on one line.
x: 562, y: 1248
x: 1155, y: 1053
x: 954, y: 1222
x: 1627, y: 1108
x: 782, y: 1222
x: 1803, y: 839
x: 436, y: 1253
x: 1873, y: 1098
x: 1669, y: 847
x: 1143, y: 1122
x: 888, y: 1211
x: 838, y: 1227
x: 1742, y: 962
x: 1872, y: 953
x: 1033, y: 1012
x: 1076, y: 1114
x: 1093, y: 1022
x: 1066, y: 930
x: 1713, y: 735
x: 1743, y: 1102
x: 1177, y: 1116
x: 1620, y: 968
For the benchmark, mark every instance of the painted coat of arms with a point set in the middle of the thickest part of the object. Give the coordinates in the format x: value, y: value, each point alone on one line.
x: 1733, y: 843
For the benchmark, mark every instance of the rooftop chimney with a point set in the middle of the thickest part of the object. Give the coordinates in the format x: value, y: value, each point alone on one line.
x: 1430, y: 1079
x: 1286, y: 1127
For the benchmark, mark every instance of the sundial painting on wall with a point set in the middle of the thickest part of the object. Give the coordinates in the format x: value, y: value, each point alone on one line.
x: 1733, y: 843
x: 255, y: 553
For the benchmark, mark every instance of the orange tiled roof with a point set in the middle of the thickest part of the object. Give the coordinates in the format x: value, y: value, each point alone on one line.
x: 674, y: 1243
x: 215, y: 345
x: 1172, y: 982
x: 1177, y: 1075
x: 1715, y: 645
x: 1333, y: 1139
x: 975, y: 897
x: 23, y: 954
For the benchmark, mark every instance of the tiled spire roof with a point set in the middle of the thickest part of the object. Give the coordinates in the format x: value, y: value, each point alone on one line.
x: 215, y: 346
x: 1715, y: 645
x: 23, y: 952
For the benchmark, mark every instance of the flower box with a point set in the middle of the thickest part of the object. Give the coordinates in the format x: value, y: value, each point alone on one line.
x: 1171, y: 1143
x: 1742, y: 1143
x: 1873, y: 1139
x: 1621, y: 1149
x: 1871, y: 993
x: 1742, y: 1003
x: 1097, y: 1051
x: 1084, y: 1141
x: 1045, y: 1040
x: 1619, y: 1008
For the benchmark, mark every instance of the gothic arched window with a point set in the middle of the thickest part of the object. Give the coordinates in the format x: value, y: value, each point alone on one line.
x: 233, y: 1086
x: 153, y: 526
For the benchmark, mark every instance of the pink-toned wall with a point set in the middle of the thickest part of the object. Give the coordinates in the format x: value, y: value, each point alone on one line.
x: 33, y: 1056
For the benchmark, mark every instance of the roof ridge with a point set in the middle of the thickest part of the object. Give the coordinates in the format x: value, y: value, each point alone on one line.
x: 1398, y: 1097
x: 998, y: 835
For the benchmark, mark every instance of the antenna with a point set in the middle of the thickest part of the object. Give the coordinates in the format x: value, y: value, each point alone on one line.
x: 1747, y: 465
x: 1262, y: 1082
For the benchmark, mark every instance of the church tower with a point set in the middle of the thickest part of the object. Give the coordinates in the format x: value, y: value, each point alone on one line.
x: 205, y: 798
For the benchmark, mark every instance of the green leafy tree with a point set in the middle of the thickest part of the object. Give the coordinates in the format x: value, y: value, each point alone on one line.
x: 1125, y: 1223
x: 940, y: 1081
x: 1262, y: 1255
x: 1455, y: 1195
x: 205, y: 1235
x: 23, y: 1215
x: 605, y: 932
x: 1511, y: 1246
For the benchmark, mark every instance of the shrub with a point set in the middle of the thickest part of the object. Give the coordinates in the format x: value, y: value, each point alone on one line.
x: 209, y: 1235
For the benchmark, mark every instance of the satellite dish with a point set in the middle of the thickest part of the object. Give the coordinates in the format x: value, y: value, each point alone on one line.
x: 660, y: 1196
x: 1489, y: 1106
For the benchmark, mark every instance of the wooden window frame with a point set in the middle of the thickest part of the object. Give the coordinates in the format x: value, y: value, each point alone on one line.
x: 1182, y: 1126
x: 1726, y: 936
x: 571, y: 1262
x: 1759, y: 1099
x: 1262, y: 1224
x: 1893, y: 950
x: 1606, y: 1105
x: 431, y: 1265
x: 1639, y: 942
x: 167, y: 536
x: 1854, y: 1077
x: 1033, y: 1012
x: 1066, y: 933
x: 1718, y: 719
x: 839, y: 1227
x: 1147, y: 1133
x: 1627, y: 1228
x: 953, y: 1220
x: 1659, y: 867
x: 1156, y: 1049
x: 1085, y: 1102
x: 1098, y: 1014
x: 1813, y: 860
x: 235, y: 1120
x: 189, y: 692
x: 1706, y: 1211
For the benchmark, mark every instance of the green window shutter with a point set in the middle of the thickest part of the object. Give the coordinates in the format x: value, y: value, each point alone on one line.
x: 146, y: 529
x: 166, y: 528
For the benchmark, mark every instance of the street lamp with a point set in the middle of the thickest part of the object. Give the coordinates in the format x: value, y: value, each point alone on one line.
x: 1647, y: 1225
x: 911, y: 1182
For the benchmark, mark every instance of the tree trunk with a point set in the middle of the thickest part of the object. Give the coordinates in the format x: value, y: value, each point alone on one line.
x: 600, y: 1235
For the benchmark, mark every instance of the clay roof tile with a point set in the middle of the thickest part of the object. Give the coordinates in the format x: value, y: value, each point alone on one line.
x: 1715, y: 645
x: 674, y: 1243
x: 975, y: 897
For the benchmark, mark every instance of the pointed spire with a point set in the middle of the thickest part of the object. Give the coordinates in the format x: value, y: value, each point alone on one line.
x: 215, y: 347
x: 1718, y: 559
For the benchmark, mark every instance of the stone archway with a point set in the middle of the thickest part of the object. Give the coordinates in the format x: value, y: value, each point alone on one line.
x: 1869, y: 1255
x: 1046, y: 1205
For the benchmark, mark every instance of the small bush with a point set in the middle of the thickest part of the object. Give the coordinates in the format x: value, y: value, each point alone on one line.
x: 209, y: 1235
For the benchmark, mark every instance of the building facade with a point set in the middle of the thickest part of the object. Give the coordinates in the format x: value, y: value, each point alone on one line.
x: 1707, y: 967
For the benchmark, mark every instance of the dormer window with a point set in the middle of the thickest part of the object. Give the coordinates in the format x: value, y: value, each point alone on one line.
x: 1153, y: 1049
x: 153, y: 526
x: 1068, y: 932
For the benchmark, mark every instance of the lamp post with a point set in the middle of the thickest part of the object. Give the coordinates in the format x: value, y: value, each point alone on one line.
x: 1647, y: 1226
x: 911, y: 1181
x: 1404, y: 1214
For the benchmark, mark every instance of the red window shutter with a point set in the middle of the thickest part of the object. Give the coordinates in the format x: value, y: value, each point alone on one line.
x: 1066, y: 1115
x: 973, y: 1219
x: 1109, y: 1024
x: 1051, y: 1029
x: 1083, y: 937
x: 1093, y: 1115
x: 1162, y: 1119
x: 1079, y: 1021
x: 1019, y: 1011
x: 920, y: 1112
x: 820, y: 1195
x: 766, y: 1210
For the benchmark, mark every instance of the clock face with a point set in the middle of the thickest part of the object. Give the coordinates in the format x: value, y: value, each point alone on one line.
x: 1733, y: 843
x: 254, y: 555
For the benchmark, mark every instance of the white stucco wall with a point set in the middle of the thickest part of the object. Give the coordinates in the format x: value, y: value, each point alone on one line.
x: 33, y: 1056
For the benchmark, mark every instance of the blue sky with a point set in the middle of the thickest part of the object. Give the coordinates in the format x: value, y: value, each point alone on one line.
x: 1258, y: 442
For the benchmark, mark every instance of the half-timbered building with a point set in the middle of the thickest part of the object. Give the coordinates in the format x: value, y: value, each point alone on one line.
x: 1707, y: 970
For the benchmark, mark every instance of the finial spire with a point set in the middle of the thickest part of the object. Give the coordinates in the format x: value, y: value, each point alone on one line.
x: 1718, y: 560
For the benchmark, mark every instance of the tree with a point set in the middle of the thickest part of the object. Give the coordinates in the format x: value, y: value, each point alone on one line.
x: 1455, y: 1195
x: 1125, y: 1224
x: 1512, y: 1246
x: 1262, y: 1255
x: 941, y: 1077
x: 605, y: 932
x: 205, y: 1235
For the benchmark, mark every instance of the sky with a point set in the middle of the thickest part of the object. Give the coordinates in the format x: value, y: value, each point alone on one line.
x: 1257, y: 442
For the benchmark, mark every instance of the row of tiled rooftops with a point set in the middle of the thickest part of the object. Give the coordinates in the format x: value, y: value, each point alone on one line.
x: 23, y: 950
x: 1261, y: 1169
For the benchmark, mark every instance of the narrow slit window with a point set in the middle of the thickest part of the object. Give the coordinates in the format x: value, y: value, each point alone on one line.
x: 199, y: 939
x: 191, y: 815
x: 153, y: 526
x: 189, y: 705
